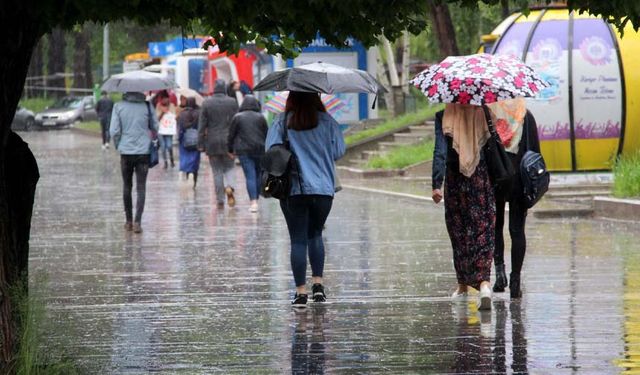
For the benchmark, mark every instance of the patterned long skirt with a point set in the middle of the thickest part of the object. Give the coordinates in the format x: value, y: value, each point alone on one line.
x: 470, y: 214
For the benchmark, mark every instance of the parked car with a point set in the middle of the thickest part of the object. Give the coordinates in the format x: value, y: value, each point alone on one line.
x: 24, y: 119
x: 68, y: 110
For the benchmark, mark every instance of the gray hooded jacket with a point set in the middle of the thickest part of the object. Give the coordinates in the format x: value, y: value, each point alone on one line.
x: 215, y: 118
x: 130, y: 124
x: 248, y: 129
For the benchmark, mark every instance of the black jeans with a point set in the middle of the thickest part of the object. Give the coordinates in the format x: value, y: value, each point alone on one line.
x: 104, y: 125
x: 305, y: 216
x: 140, y: 165
x: 517, y: 221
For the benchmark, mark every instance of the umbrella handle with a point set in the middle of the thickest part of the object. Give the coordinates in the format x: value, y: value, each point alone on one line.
x: 375, y: 99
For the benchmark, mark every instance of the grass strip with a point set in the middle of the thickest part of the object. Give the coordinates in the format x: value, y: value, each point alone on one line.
x: 403, y: 156
x: 417, y: 117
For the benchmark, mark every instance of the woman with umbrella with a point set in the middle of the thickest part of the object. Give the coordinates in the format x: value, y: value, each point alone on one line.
x: 468, y: 84
x: 317, y: 142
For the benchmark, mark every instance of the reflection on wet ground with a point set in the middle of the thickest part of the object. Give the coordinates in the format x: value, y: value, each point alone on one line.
x: 203, y: 291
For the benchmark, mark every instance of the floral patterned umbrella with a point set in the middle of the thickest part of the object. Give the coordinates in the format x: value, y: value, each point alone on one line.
x: 478, y: 80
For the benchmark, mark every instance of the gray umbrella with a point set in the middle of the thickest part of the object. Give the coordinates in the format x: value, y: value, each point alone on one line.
x: 137, y: 81
x: 321, y: 77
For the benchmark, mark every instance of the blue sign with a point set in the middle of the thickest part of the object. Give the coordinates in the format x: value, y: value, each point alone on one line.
x: 179, y: 44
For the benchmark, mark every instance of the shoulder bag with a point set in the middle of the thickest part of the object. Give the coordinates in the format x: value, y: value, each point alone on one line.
x: 501, y: 170
x: 153, y: 147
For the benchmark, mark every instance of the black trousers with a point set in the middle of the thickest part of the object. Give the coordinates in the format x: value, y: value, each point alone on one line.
x: 130, y: 164
x: 104, y: 125
x: 517, y: 221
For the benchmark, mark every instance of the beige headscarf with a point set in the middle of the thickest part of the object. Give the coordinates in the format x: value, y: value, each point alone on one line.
x: 508, y: 119
x: 467, y: 126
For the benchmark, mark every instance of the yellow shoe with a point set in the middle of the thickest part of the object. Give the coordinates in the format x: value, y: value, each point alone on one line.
x: 231, y: 200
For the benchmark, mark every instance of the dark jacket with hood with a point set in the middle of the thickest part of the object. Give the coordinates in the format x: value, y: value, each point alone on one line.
x: 215, y: 118
x: 248, y: 129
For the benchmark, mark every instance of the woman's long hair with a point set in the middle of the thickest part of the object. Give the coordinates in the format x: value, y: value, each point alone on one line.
x: 303, y: 108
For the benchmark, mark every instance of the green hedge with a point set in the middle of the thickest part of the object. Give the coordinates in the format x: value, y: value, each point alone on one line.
x: 626, y: 176
x: 36, y: 104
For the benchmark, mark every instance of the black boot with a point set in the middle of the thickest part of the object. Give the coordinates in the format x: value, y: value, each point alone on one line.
x: 501, y: 279
x: 514, y: 286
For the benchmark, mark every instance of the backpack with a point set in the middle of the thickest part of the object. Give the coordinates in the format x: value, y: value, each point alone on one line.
x: 190, y: 139
x: 534, y: 175
x: 278, y: 165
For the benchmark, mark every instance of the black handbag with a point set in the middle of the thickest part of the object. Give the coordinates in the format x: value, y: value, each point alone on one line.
x: 153, y: 147
x: 278, y: 165
x: 501, y: 169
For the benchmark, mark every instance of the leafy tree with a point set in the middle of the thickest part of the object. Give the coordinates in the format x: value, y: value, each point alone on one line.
x: 281, y: 26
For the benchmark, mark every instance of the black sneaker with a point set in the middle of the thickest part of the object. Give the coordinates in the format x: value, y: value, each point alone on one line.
x: 318, y: 293
x: 299, y: 301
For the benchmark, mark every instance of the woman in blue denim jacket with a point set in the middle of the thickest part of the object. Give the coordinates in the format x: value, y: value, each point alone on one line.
x: 317, y: 143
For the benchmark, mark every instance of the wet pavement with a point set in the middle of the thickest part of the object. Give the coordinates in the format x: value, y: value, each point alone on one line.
x: 204, y: 291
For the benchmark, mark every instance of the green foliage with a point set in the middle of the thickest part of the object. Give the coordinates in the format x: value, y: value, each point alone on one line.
x: 403, y: 156
x: 36, y: 104
x: 418, y: 117
x: 626, y: 176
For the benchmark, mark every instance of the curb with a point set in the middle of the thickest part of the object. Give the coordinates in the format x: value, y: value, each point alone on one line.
x: 391, y: 193
x: 617, y: 208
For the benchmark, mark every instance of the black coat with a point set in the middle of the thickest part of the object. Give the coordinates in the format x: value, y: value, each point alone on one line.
x: 444, y: 156
x: 248, y: 129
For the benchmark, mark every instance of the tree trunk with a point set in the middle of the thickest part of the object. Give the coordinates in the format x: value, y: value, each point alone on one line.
x: 57, y: 61
x: 505, y: 8
x: 36, y: 69
x: 397, y: 95
x: 18, y: 171
x: 442, y: 26
x: 404, y: 79
x: 82, y: 75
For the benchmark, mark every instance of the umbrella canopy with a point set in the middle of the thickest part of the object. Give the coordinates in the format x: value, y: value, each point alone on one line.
x: 137, y: 81
x: 321, y: 77
x: 278, y: 103
x: 190, y: 93
x: 478, y: 80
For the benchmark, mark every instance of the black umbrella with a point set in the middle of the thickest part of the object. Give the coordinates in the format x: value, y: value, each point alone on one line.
x: 321, y: 77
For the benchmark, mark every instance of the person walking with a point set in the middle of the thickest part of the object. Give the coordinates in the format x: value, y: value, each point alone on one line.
x: 470, y: 210
x: 167, y: 130
x: 519, y: 133
x: 246, y: 140
x: 132, y: 121
x: 317, y: 143
x: 213, y: 131
x: 103, y: 109
x: 189, y: 155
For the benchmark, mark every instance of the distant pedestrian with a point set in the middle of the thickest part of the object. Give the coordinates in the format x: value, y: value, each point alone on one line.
x: 317, y: 143
x: 189, y: 154
x: 246, y: 140
x: 167, y: 130
x: 103, y: 109
x: 470, y: 210
x: 519, y: 134
x: 213, y: 131
x: 232, y: 88
x: 130, y: 130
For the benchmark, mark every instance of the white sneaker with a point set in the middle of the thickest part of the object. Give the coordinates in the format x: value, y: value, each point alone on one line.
x: 484, y: 299
x: 459, y: 297
x: 106, y: 145
x: 254, y: 206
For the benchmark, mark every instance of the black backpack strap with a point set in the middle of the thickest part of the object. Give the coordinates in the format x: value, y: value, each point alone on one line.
x: 298, y: 171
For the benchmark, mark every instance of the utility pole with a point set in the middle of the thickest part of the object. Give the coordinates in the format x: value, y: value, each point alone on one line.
x: 105, y: 53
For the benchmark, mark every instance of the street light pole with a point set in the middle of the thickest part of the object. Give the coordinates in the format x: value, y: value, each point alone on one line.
x: 105, y: 53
